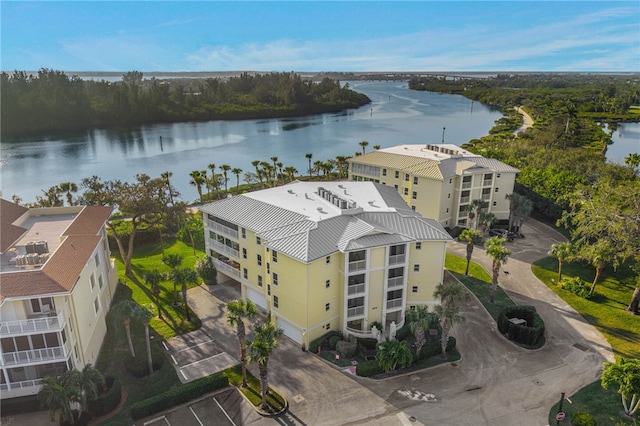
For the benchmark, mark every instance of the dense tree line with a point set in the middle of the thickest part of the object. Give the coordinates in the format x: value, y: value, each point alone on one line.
x: 51, y: 100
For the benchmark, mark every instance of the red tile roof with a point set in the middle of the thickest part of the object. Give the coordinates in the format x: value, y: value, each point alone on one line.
x: 9, y: 233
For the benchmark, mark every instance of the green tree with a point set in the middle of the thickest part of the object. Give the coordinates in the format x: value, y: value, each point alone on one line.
x: 495, y: 249
x: 469, y: 235
x: 90, y: 381
x: 225, y: 170
x: 633, y: 160
x: 206, y: 270
x: 237, y: 311
x: 393, y: 354
x: 363, y: 144
x: 625, y: 373
x: 419, y: 321
x: 127, y: 309
x: 68, y: 188
x: 144, y: 314
x: 601, y: 253
x: 197, y: 180
x: 451, y: 295
x: 265, y: 340
x: 57, y: 397
x: 154, y: 278
x: 309, y: 156
x: 520, y: 207
x: 190, y: 277
x: 173, y: 261
x: 236, y: 171
x: 562, y: 252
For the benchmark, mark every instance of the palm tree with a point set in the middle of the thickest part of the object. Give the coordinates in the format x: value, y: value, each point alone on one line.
x: 494, y: 247
x: 225, y: 168
x: 309, y: 156
x: 469, y: 235
x: 342, y: 165
x: 57, y: 397
x: 625, y: 373
x: 174, y: 260
x: 70, y: 187
x: 145, y: 313
x: 487, y: 219
x: 266, y: 338
x: 237, y: 311
x: 166, y: 176
x: 562, y: 252
x: 520, y: 208
x: 600, y: 253
x: 392, y: 354
x: 363, y: 144
x: 90, y: 381
x: 376, y: 147
x: 190, y: 277
x: 632, y: 160
x: 153, y: 278
x: 317, y: 166
x: 419, y: 321
x: 291, y: 172
x: 275, y: 168
x: 127, y: 309
x: 236, y: 171
x: 451, y: 296
x: 197, y: 180
x: 280, y: 172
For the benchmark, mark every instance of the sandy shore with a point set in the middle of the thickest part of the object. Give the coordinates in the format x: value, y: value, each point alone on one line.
x: 526, y: 122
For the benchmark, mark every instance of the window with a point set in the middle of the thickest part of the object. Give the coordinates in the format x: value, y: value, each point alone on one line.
x: 269, y: 289
x: 412, y: 308
x: 97, y: 259
x: 498, y: 175
x: 327, y: 327
x: 406, y: 177
x: 414, y: 289
x: 396, y: 187
x: 100, y: 282
x: 416, y: 268
x: 75, y: 350
x: 397, y: 174
x: 275, y: 279
x: 327, y: 284
x: 259, y: 280
x: 447, y: 209
x: 419, y: 245
x: 414, y: 195
x: 244, y: 233
x: 93, y: 282
x: 275, y: 301
x: 244, y: 253
x: 497, y: 189
x: 258, y: 241
x: 245, y: 273
x: 327, y: 260
x: 495, y: 203
x: 327, y: 306
x: 259, y: 260
x: 448, y: 195
x: 384, y: 172
x: 449, y: 181
x: 274, y: 256
x: 415, y: 180
x: 268, y: 268
x: 96, y: 305
x: 406, y: 191
x: 413, y: 208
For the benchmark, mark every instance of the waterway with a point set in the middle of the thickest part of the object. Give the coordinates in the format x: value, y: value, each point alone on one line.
x: 396, y: 115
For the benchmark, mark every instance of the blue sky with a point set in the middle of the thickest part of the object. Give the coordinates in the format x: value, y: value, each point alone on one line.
x: 320, y: 36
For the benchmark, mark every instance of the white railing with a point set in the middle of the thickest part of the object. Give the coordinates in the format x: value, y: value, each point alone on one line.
x: 397, y: 258
x: 20, y: 385
x: 221, y: 248
x: 222, y: 229
x: 352, y: 312
x: 466, y: 185
x: 358, y: 265
x: 225, y: 269
x: 36, y: 355
x: 486, y: 196
x: 17, y: 389
x: 394, y: 303
x: 8, y: 328
x: 487, y: 182
x: 464, y: 200
x: 355, y: 289
x: 395, y: 282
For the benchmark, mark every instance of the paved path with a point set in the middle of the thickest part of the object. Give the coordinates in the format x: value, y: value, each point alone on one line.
x: 527, y: 121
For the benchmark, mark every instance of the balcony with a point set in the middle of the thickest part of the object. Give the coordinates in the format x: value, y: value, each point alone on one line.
x: 395, y: 282
x: 58, y: 353
x: 355, y: 289
x: 466, y: 185
x: 353, y: 312
x: 358, y: 265
x: 221, y: 229
x: 486, y: 197
x: 464, y: 200
x: 394, y: 303
x: 226, y: 268
x: 27, y: 387
x: 398, y: 258
x: 487, y: 182
x: 221, y: 248
x: 51, y: 323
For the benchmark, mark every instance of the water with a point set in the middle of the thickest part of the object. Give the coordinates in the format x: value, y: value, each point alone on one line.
x: 397, y: 115
x: 626, y: 140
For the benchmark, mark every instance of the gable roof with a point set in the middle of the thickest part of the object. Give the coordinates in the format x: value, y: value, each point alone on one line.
x: 9, y: 233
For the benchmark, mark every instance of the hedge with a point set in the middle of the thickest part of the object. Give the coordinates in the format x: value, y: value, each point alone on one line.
x: 179, y: 395
x: 107, y: 402
x: 581, y: 418
x: 138, y: 366
x: 530, y: 333
x: 368, y: 368
x: 320, y: 341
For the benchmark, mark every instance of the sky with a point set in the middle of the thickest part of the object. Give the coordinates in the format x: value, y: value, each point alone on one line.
x: 315, y: 36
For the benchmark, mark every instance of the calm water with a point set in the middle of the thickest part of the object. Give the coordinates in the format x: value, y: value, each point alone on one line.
x: 396, y: 116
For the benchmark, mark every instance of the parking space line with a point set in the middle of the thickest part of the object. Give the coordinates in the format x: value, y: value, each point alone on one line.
x: 174, y: 360
x: 165, y: 346
x: 184, y: 375
x: 195, y: 346
x: 148, y: 422
x: 202, y: 360
x: 224, y: 411
x: 196, y: 416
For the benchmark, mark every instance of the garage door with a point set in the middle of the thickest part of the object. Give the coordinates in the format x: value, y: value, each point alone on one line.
x: 290, y: 330
x: 258, y: 297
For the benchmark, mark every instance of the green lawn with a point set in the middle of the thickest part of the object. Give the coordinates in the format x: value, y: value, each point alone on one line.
x: 253, y: 393
x: 606, y: 310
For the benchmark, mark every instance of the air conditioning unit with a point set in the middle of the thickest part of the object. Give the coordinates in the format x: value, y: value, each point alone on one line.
x: 30, y: 247
x: 42, y: 247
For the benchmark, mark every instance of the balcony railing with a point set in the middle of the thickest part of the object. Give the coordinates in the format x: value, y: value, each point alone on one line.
x: 358, y: 265
x: 20, y: 385
x: 464, y: 200
x: 395, y: 282
x: 51, y: 323
x: 394, y: 303
x: 16, y: 389
x: 397, y: 258
x: 36, y: 355
x: 466, y: 185
x: 352, y: 312
x: 355, y: 289
x: 225, y: 268
x: 487, y: 182
x: 222, y: 229
x: 221, y: 248
x: 486, y: 197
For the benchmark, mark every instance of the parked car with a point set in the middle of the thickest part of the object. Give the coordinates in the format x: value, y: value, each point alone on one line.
x: 509, y: 236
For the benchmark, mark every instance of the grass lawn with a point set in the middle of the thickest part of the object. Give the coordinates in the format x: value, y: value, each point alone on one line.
x: 274, y: 400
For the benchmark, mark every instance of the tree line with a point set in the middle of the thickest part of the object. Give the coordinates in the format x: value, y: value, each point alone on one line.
x: 52, y: 101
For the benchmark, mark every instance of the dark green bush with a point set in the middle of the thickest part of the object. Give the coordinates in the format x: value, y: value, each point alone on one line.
x: 581, y: 418
x: 403, y: 333
x: 451, y: 344
x: 108, y: 401
x: 333, y: 341
x: 138, y: 366
x: 320, y: 341
x: 368, y: 343
x: 347, y: 349
x: 179, y: 395
x: 368, y: 369
x: 531, y: 333
x: 576, y: 286
x: 206, y: 271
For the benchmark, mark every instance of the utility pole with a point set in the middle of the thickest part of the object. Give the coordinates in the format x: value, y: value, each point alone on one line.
x: 443, y: 129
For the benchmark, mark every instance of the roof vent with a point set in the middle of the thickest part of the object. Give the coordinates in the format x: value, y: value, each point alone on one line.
x: 290, y: 191
x: 341, y: 186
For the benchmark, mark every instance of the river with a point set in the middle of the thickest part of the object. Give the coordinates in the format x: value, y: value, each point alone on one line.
x: 396, y: 115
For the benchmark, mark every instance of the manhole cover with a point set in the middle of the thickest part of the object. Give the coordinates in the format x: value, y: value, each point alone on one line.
x: 412, y: 419
x: 538, y: 382
x: 453, y: 364
x: 581, y: 347
x: 298, y: 398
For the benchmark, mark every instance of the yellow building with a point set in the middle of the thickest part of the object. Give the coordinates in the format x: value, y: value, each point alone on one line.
x: 57, y: 284
x: 327, y: 255
x: 439, y: 181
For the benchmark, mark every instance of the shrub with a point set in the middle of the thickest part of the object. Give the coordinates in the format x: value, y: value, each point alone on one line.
x: 576, y: 286
x: 320, y: 341
x: 368, y: 369
x: 333, y: 341
x: 347, y: 349
x: 108, y: 401
x: 180, y: 395
x: 530, y: 333
x: 581, y: 418
x: 451, y: 344
x: 206, y: 271
x: 368, y: 343
x: 138, y: 366
x: 404, y: 332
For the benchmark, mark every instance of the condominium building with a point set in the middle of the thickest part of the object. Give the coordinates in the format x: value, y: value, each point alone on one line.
x: 327, y: 255
x: 57, y: 282
x: 439, y: 181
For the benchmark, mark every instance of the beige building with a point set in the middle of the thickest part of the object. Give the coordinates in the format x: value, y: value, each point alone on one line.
x: 327, y: 255
x: 57, y: 282
x: 439, y: 181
